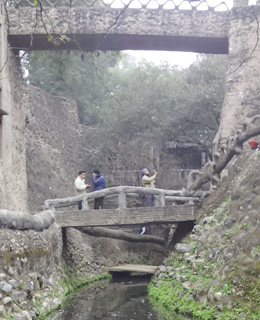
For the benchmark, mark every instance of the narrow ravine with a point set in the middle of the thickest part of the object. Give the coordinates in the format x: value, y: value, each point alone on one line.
x: 117, y: 299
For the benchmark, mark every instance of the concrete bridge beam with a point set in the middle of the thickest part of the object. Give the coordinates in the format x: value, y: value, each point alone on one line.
x: 92, y: 29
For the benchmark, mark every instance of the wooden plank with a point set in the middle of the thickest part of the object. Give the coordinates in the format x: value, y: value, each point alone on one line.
x: 132, y: 268
x: 125, y: 217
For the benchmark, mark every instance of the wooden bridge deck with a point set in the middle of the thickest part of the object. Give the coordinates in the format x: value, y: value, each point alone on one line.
x: 126, y: 216
x: 133, y: 268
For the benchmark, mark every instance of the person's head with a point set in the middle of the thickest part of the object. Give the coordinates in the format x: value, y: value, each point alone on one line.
x: 145, y: 171
x: 96, y: 172
x: 82, y: 174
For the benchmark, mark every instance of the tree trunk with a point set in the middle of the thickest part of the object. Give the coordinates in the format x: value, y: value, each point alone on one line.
x: 121, y: 235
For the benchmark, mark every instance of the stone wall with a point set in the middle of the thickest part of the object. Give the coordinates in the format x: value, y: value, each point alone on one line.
x: 31, y: 267
x: 13, y: 187
x: 242, y: 99
x: 84, y: 252
x: 222, y: 251
x: 54, y: 146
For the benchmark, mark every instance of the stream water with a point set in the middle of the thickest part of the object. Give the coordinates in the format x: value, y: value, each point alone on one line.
x: 118, y: 299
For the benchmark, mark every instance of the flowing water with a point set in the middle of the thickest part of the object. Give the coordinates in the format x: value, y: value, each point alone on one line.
x: 118, y: 299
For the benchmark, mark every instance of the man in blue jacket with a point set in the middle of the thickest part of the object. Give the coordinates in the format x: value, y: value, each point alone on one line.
x: 99, y: 183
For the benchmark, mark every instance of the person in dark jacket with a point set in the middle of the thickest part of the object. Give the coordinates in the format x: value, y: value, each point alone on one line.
x: 99, y: 183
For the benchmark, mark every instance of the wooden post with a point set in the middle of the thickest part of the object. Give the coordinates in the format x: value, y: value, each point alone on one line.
x: 85, y: 205
x: 121, y: 200
x: 156, y: 201
x: 161, y: 200
x: 49, y: 206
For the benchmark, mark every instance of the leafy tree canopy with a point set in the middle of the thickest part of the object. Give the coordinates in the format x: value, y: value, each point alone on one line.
x: 74, y: 75
x: 131, y: 106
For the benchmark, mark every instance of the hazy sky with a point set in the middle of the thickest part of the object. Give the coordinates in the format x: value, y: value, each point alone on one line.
x: 182, y: 59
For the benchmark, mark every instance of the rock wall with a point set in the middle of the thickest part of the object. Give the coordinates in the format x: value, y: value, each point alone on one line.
x: 54, y: 146
x: 84, y: 252
x: 242, y: 99
x: 217, y: 268
x: 31, y: 267
x: 13, y: 186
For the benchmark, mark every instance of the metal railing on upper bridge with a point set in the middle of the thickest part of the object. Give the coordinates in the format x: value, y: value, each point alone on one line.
x: 200, y: 5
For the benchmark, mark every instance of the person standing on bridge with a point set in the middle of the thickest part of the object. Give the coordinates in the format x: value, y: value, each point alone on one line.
x: 80, y: 186
x: 99, y: 183
x: 149, y: 182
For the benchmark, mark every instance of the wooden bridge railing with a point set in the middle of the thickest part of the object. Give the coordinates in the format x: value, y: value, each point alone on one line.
x: 161, y: 196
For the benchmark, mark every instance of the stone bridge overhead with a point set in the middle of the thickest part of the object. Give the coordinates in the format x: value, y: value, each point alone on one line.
x: 92, y: 28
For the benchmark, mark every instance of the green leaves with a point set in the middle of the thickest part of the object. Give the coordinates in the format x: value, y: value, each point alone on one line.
x: 131, y: 107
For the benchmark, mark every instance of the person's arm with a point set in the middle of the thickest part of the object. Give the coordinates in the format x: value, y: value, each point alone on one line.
x: 80, y: 185
x: 149, y: 179
x: 98, y: 181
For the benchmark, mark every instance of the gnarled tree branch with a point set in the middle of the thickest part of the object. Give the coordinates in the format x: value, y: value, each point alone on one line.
x: 118, y: 234
x: 234, y: 146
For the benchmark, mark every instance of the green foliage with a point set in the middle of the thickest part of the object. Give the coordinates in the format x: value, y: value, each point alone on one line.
x: 255, y: 251
x: 168, y: 295
x: 227, y: 289
x: 130, y: 106
x: 229, y: 231
x: 246, y: 226
x: 72, y: 282
x: 76, y: 76
x: 222, y: 207
x: 158, y: 104
x: 221, y: 213
x: 244, y: 294
x: 194, y: 246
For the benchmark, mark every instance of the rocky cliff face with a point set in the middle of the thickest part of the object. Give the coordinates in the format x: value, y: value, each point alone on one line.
x: 87, y: 253
x: 54, y: 146
x: 218, y: 265
x: 31, y: 269
x: 242, y: 100
x: 13, y: 188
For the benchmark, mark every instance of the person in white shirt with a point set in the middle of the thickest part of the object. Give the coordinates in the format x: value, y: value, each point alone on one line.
x: 80, y: 186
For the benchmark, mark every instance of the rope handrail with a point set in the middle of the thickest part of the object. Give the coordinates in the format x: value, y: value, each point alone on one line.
x: 122, y: 191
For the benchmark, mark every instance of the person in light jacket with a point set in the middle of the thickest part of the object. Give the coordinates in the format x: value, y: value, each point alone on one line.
x: 80, y: 186
x: 99, y: 183
x: 149, y: 182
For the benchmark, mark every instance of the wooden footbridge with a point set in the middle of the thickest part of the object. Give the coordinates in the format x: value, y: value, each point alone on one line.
x: 165, y: 211
x: 132, y: 269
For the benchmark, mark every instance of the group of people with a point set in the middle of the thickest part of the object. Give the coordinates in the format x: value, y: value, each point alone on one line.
x: 99, y: 183
x: 81, y: 187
